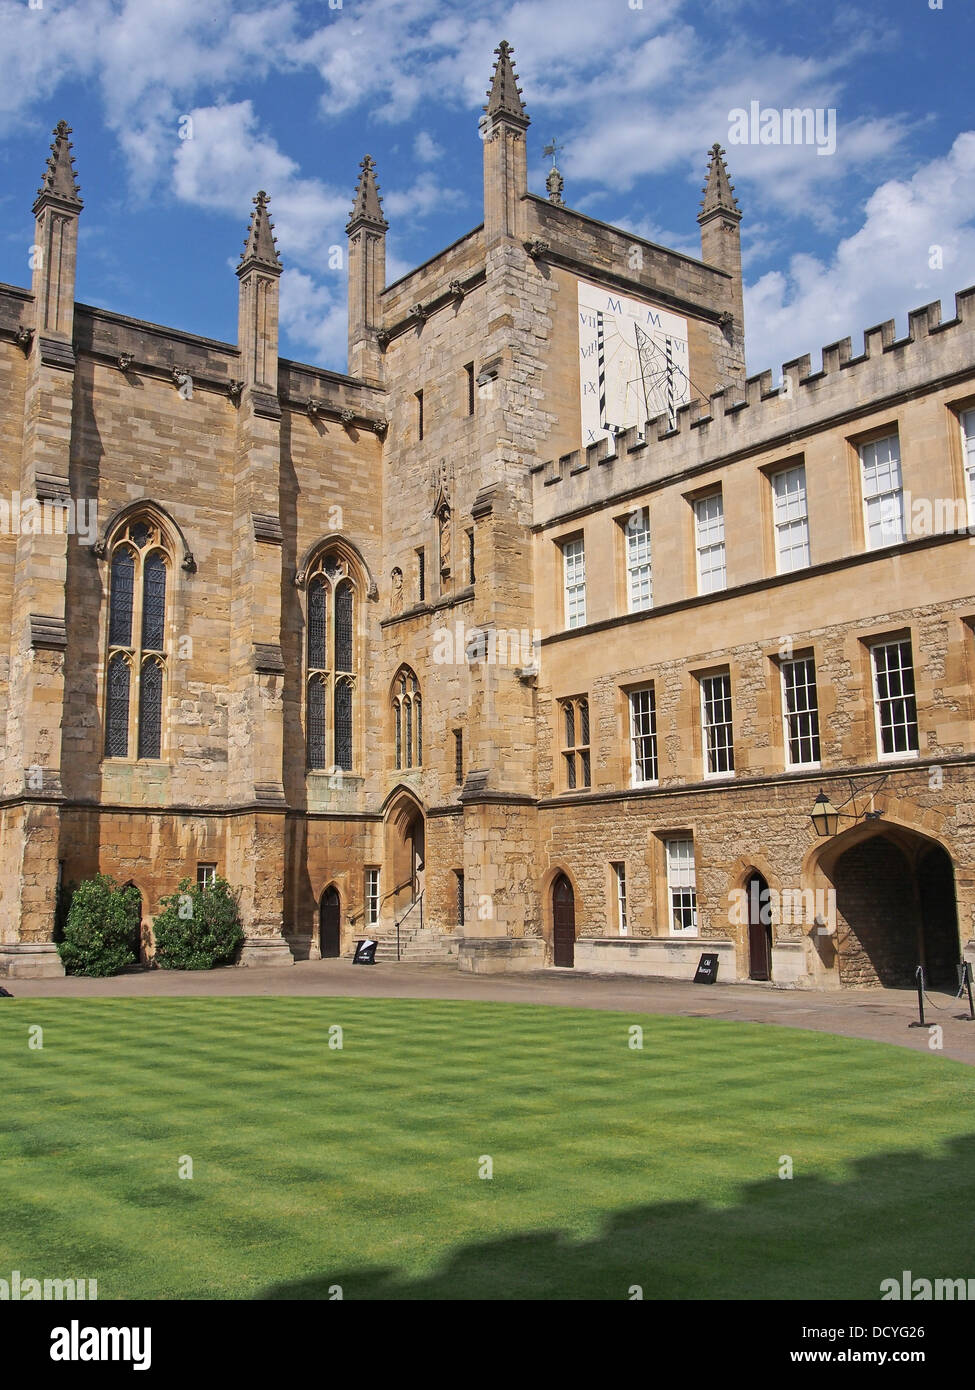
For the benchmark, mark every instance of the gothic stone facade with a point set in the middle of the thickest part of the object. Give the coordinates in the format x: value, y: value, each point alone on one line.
x: 465, y: 633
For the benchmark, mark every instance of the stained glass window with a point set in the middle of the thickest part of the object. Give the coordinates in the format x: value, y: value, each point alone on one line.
x: 343, y: 725
x: 150, y: 709
x: 136, y: 623
x: 154, y: 602
x: 408, y: 716
x: 120, y: 620
x: 343, y: 627
x: 331, y: 651
x: 419, y: 734
x: 317, y: 598
x: 398, y: 712
x: 117, y: 708
x: 316, y: 724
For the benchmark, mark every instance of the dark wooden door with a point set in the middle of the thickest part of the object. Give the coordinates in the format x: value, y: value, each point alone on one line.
x: 564, y: 921
x: 759, y: 929
x: 331, y: 932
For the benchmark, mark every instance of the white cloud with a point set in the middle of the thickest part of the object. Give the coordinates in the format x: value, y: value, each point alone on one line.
x: 315, y: 315
x: 228, y: 159
x: 426, y: 148
x: 424, y: 196
x: 878, y: 273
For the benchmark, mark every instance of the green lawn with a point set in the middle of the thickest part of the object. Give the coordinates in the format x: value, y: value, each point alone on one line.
x: 315, y: 1167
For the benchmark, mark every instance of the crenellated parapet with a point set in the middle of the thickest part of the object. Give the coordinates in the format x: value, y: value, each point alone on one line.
x: 730, y: 423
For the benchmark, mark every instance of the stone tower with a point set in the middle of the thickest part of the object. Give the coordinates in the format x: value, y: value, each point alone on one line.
x: 502, y: 129
x: 35, y: 715
x: 366, y: 231
x: 720, y: 219
x: 257, y: 844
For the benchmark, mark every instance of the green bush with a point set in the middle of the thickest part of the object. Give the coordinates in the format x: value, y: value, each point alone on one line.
x: 198, y: 928
x: 99, y: 927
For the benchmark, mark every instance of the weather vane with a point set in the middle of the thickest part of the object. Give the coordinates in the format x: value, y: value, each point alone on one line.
x: 552, y: 149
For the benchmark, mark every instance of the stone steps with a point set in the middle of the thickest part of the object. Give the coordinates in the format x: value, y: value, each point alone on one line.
x: 416, y: 946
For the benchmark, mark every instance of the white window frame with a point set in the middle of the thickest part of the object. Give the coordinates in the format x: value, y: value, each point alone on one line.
x: 787, y: 715
x: 639, y: 562
x: 636, y: 736
x: 791, y: 512
x: 372, y: 897
x: 709, y: 539
x: 968, y: 454
x: 206, y: 875
x: 898, y: 754
x: 574, y: 581
x: 883, y: 505
x: 622, y: 914
x: 681, y: 880
x: 707, y: 684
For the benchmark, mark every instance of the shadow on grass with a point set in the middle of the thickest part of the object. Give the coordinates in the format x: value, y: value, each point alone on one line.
x: 785, y: 1239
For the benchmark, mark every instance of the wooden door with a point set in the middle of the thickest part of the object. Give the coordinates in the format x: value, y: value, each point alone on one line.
x: 564, y: 922
x: 759, y: 929
x: 330, y: 925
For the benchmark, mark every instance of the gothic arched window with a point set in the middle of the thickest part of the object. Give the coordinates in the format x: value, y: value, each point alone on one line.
x: 330, y: 665
x: 407, y: 717
x: 137, y: 661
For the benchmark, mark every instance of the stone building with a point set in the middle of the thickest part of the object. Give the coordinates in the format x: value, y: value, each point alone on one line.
x: 534, y: 638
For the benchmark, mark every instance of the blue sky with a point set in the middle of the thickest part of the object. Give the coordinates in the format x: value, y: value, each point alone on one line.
x: 288, y: 95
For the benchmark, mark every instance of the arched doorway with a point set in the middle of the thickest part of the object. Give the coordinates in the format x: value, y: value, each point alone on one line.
x: 330, y: 924
x: 405, y: 855
x: 136, y: 945
x: 563, y: 922
x: 895, y: 904
x: 759, y: 928
x: 939, y: 916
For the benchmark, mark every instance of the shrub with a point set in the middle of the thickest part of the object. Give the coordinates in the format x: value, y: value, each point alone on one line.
x: 99, y: 927
x: 198, y: 928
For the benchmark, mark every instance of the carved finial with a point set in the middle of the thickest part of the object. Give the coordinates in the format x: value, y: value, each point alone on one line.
x: 367, y: 210
x: 555, y: 184
x: 260, y: 248
x: 719, y: 192
x: 504, y: 94
x: 59, y: 184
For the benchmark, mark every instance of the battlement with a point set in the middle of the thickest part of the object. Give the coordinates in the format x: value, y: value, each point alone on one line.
x: 734, y: 421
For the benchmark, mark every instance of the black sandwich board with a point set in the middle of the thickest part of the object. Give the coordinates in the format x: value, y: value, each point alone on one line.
x: 365, y: 952
x: 707, y: 970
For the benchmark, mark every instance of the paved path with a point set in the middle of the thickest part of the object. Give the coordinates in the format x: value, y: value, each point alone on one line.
x: 883, y: 1015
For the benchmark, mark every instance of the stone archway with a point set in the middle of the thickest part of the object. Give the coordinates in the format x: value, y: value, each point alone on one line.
x: 330, y: 924
x: 895, y: 908
x: 563, y: 922
x: 141, y: 941
x: 405, y: 853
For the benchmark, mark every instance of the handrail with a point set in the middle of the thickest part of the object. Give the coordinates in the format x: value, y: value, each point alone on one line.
x: 417, y: 899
